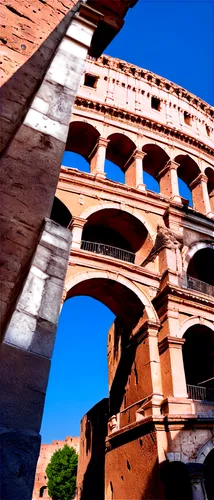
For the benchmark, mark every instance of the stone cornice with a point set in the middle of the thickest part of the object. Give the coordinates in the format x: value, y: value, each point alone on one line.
x: 121, y: 114
x: 154, y: 79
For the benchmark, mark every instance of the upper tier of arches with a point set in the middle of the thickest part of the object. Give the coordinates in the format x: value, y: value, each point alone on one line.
x: 175, y: 174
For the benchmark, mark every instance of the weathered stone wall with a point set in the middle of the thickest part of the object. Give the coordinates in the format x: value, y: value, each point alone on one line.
x: 46, y: 452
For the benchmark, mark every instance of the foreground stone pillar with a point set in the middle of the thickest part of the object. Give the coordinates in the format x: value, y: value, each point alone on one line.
x: 76, y: 228
x: 97, y: 158
x: 134, y: 170
x: 25, y: 362
x: 168, y: 179
x: 200, y: 197
x: 211, y: 198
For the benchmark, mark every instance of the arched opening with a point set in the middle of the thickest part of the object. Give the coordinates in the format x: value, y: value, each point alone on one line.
x: 200, y: 271
x: 41, y: 491
x: 82, y: 138
x: 78, y: 377
x: 118, y: 152
x: 116, y: 233
x: 154, y: 161
x: 209, y: 172
x: 60, y: 213
x: 187, y: 171
x: 198, y: 357
x: 208, y: 475
x: 175, y: 477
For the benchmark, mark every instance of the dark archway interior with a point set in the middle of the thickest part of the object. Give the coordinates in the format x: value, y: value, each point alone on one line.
x: 208, y: 475
x: 82, y: 138
x: 175, y: 477
x: 116, y: 228
x: 188, y: 169
x: 155, y: 159
x: 201, y: 266
x: 119, y: 149
x: 209, y: 172
x: 198, y: 356
x: 60, y: 213
x: 41, y: 491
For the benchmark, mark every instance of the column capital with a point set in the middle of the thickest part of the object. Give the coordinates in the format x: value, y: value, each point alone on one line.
x: 170, y: 164
x: 76, y: 222
x: 101, y: 141
x: 148, y: 329
x: 64, y: 295
x: 201, y: 178
x: 137, y: 153
x: 170, y: 341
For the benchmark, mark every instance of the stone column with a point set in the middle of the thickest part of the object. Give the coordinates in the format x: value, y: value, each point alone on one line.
x: 200, y: 197
x: 197, y: 482
x: 172, y: 367
x: 134, y: 170
x: 148, y: 354
x: 168, y: 179
x: 76, y: 228
x: 97, y: 158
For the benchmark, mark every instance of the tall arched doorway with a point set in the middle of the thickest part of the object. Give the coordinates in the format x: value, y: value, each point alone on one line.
x: 198, y: 357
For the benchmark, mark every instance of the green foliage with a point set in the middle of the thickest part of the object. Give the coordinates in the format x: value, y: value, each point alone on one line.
x: 61, y: 472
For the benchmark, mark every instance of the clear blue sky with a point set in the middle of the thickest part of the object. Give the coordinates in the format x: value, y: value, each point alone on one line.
x: 175, y: 40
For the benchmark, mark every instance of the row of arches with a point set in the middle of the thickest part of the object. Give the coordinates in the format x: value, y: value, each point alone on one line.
x: 116, y: 233
x: 119, y: 148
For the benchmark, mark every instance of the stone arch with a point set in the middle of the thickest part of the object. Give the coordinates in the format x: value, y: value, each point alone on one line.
x: 192, y: 321
x: 155, y: 159
x: 117, y: 278
x: 195, y: 247
x: 82, y: 138
x: 204, y: 450
x: 113, y: 205
x: 120, y: 148
x: 177, y: 457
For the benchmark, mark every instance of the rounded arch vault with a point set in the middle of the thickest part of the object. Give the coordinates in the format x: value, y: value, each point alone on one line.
x: 122, y: 296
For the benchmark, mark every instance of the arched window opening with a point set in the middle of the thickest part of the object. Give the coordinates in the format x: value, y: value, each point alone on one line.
x: 175, y: 477
x: 185, y: 191
x: 81, y: 141
x: 208, y: 475
x: 151, y: 183
x: 60, y: 213
x: 118, y: 152
x: 209, y: 172
x: 153, y: 162
x: 114, y: 233
x: 200, y: 271
x: 188, y: 171
x: 113, y: 172
x: 198, y: 357
x: 41, y: 491
x: 74, y: 160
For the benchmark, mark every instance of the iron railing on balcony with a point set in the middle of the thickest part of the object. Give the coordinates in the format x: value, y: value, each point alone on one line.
x: 200, y: 286
x: 102, y: 248
x: 200, y: 393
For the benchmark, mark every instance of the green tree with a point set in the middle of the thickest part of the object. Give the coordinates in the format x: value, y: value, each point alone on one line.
x: 62, y: 472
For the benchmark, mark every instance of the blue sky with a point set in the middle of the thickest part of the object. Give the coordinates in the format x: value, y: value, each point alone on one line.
x: 173, y: 39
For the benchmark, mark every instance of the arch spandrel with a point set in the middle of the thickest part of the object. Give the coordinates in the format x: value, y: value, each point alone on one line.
x: 75, y: 284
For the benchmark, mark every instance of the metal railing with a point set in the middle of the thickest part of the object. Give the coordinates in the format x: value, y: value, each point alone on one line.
x: 109, y: 251
x: 200, y: 393
x: 200, y: 286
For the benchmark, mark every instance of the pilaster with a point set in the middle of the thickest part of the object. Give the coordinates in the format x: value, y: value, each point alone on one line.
x: 200, y: 197
x: 168, y: 179
x: 76, y: 228
x: 97, y: 158
x: 134, y: 170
